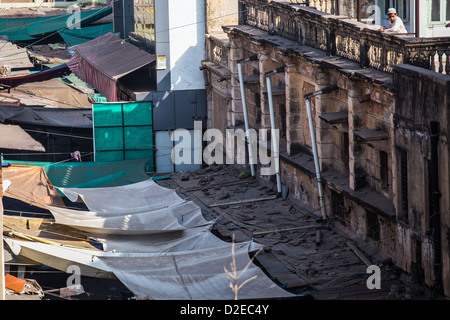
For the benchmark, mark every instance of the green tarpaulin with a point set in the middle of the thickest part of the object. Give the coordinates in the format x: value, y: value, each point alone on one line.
x: 33, y: 27
x: 73, y: 37
x: 93, y: 174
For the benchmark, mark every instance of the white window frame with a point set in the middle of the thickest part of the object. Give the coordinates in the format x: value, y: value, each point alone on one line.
x: 443, y: 13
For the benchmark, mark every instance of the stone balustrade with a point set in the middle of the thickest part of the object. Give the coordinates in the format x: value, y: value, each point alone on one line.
x: 341, y: 36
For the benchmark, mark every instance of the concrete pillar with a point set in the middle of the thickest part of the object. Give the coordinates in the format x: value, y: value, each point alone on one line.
x: 236, y: 117
x: 294, y: 100
x: 324, y: 138
x: 357, y: 151
x: 265, y: 64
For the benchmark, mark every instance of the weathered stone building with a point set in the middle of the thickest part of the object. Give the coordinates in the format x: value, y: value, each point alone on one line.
x: 382, y: 134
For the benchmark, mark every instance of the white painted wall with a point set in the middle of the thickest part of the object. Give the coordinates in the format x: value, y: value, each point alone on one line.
x: 187, y: 48
x: 435, y: 28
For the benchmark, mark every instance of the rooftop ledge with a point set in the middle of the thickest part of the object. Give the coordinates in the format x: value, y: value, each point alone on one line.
x: 344, y: 37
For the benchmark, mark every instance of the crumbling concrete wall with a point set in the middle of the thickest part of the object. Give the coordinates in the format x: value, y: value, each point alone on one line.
x: 402, y: 109
x: 422, y: 101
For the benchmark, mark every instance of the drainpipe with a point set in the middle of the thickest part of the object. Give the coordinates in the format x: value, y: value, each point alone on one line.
x: 417, y: 18
x: 274, y: 139
x: 244, y: 109
x: 308, y: 96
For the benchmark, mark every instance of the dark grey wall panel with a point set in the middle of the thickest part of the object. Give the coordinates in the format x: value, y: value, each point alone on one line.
x: 164, y: 111
x: 185, y: 108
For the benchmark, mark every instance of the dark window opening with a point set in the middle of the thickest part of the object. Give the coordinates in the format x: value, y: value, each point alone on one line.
x: 373, y: 226
x: 338, y: 208
x: 283, y: 120
x: 384, y: 170
x: 436, y: 10
x: 447, y: 15
x: 404, y: 183
x: 344, y: 153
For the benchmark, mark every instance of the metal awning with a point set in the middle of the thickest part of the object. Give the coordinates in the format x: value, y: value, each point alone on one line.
x: 103, y: 61
x: 335, y: 117
x: 372, y: 134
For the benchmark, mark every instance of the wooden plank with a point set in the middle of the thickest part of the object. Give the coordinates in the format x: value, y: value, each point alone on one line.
x: 359, y: 254
x: 219, y: 204
x: 230, y: 183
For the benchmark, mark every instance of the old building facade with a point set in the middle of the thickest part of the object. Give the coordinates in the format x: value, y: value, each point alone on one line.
x: 381, y: 133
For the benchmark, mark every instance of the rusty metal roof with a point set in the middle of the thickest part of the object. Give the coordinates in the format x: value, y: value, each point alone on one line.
x: 113, y: 56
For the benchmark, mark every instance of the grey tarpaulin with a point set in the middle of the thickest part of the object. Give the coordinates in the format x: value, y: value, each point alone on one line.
x: 171, y: 218
x: 144, y: 195
x: 193, y: 275
x: 185, y: 263
x: 138, y: 208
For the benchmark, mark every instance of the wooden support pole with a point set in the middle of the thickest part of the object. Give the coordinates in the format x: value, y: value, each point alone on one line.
x: 359, y: 254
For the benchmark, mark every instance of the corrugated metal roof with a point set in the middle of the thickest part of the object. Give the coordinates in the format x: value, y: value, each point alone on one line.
x: 113, y: 56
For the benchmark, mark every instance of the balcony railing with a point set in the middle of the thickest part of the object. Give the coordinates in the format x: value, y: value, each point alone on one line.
x: 340, y: 36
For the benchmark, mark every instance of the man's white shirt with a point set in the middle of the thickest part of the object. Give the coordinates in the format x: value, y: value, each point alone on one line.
x: 396, y: 26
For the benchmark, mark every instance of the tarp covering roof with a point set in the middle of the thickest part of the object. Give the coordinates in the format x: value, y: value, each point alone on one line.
x: 193, y: 275
x: 182, y: 264
x: 73, y: 37
x: 104, y: 60
x: 47, y: 117
x: 92, y: 174
x: 178, y: 275
x: 14, y: 137
x: 139, y: 208
x: 33, y: 26
x: 30, y: 185
x: 15, y: 81
x: 13, y: 56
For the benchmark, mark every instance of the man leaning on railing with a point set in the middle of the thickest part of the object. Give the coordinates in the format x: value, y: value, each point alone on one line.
x: 395, y: 23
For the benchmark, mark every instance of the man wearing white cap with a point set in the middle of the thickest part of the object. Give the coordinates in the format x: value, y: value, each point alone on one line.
x: 395, y: 23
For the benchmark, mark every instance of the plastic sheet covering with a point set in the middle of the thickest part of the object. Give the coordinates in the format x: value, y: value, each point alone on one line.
x: 30, y: 185
x: 15, y: 138
x: 140, y: 196
x: 184, y: 240
x: 196, y: 274
x: 193, y: 275
x: 132, y: 221
x: 92, y: 174
x: 138, y: 208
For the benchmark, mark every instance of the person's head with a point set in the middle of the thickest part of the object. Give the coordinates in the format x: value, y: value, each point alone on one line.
x: 392, y: 14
